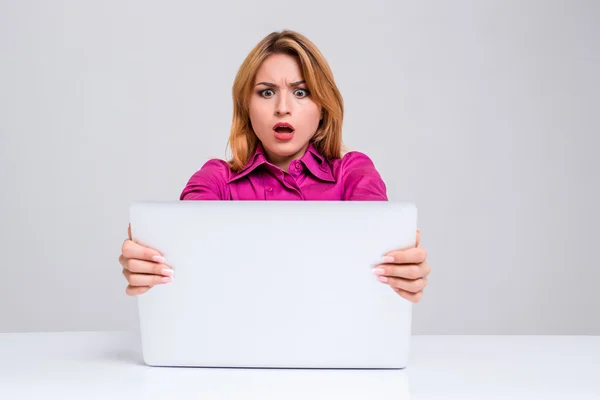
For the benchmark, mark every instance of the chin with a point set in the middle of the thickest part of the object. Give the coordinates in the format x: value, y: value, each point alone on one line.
x: 284, y: 149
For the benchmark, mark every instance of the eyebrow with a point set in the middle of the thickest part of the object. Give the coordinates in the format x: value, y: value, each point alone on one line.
x: 272, y: 85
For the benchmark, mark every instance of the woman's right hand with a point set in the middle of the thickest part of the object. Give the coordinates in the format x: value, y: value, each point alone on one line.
x: 143, y: 267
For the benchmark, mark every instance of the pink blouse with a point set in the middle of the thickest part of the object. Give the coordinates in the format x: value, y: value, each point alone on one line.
x: 312, y: 177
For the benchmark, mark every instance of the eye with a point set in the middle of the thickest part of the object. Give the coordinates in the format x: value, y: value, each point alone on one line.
x: 263, y: 93
x: 302, y: 92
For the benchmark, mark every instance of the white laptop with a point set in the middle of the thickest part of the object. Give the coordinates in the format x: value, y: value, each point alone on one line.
x: 274, y: 284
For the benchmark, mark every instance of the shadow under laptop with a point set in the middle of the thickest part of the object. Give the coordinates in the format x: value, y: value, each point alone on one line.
x: 125, y: 362
x: 262, y: 383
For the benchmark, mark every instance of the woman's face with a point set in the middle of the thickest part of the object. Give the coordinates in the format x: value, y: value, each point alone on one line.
x: 281, y: 96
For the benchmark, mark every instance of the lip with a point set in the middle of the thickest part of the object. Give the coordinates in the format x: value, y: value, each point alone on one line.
x: 283, y: 136
x: 283, y: 125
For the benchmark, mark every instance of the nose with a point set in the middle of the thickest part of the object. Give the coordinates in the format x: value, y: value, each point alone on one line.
x: 282, y: 106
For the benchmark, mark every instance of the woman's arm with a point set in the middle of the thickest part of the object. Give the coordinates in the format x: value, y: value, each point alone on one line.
x: 209, y: 183
x: 361, y: 179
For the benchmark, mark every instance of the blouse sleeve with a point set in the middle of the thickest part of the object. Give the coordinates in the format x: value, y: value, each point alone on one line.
x: 361, y: 179
x: 208, y: 183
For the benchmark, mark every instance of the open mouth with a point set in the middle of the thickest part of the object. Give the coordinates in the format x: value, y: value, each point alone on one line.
x: 283, y: 131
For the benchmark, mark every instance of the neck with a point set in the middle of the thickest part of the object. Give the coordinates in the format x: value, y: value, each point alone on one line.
x: 283, y: 162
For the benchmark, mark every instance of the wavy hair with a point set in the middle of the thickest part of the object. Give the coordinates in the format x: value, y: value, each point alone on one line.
x: 320, y: 82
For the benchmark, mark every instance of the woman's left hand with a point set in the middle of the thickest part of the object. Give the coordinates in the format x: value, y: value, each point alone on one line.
x: 405, y: 271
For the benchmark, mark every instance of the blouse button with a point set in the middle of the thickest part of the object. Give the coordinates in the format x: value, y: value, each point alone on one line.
x: 270, y: 189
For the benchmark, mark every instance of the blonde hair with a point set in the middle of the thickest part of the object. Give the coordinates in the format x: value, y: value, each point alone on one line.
x: 319, y: 79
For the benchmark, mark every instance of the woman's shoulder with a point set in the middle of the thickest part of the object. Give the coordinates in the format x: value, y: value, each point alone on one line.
x: 360, y: 178
x: 209, y: 181
x: 353, y: 160
x: 214, y: 169
x: 216, y: 166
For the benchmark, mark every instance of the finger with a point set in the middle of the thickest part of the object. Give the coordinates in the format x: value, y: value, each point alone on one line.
x: 136, y: 290
x: 134, y: 250
x: 146, y: 267
x: 145, y: 279
x: 407, y: 271
x: 409, y: 285
x: 415, y: 255
x: 418, y: 237
x: 412, y: 297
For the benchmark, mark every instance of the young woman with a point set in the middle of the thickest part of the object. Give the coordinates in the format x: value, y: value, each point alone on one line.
x: 286, y: 141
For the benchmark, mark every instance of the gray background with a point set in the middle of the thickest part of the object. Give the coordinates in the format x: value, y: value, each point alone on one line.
x: 483, y: 113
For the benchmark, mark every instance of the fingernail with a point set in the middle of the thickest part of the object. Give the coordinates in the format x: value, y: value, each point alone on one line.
x: 388, y: 259
x: 383, y: 279
x: 158, y: 259
x: 166, y: 279
x: 167, y: 271
x: 378, y: 271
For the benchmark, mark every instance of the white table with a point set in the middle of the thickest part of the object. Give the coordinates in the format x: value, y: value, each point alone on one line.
x: 108, y: 365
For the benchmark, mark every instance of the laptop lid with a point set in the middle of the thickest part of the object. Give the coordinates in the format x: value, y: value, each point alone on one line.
x: 274, y: 284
